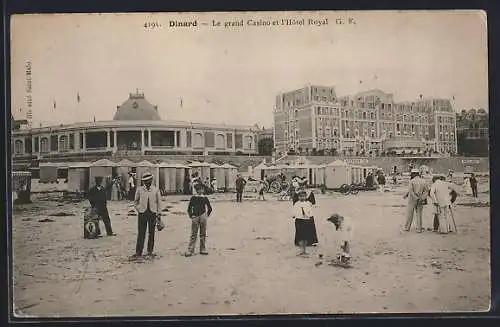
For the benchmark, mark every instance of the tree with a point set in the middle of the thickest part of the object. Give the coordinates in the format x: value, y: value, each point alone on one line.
x: 313, y: 152
x: 266, y: 146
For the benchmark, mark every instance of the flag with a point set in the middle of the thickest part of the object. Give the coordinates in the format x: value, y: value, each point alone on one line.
x: 420, y: 96
x: 94, y: 118
x: 181, y: 102
x: 360, y: 82
x: 375, y: 77
x: 78, y: 97
x: 453, y: 97
x: 55, y: 105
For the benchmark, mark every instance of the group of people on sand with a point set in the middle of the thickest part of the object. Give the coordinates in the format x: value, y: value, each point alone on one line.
x: 305, y: 227
x: 442, y: 195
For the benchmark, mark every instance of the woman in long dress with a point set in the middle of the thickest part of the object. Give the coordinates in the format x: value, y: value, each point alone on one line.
x: 467, y: 186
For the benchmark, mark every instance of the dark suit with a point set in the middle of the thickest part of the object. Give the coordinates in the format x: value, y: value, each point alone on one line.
x: 98, y: 200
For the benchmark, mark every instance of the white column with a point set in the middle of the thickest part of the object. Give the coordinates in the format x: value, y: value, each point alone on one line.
x: 108, y: 139
x: 234, y: 141
x: 115, y: 140
x: 58, y: 143
x: 84, y: 141
x: 150, y: 144
x: 175, y: 139
x: 142, y: 140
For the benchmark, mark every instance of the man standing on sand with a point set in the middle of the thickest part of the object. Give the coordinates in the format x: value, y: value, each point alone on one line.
x: 417, y: 196
x: 240, y: 185
x: 473, y: 184
x: 147, y: 204
x: 98, y: 199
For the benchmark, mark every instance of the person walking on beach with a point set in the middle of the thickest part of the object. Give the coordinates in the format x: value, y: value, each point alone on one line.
x: 199, y: 209
x: 473, y: 184
x: 147, y: 204
x: 381, y: 181
x: 240, y: 185
x: 302, y: 212
x: 417, y: 197
x: 131, y: 186
x: 262, y: 188
x: 98, y: 199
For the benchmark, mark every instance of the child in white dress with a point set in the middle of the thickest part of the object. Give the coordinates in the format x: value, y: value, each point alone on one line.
x: 344, y: 226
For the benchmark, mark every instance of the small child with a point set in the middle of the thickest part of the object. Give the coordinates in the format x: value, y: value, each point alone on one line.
x: 199, y: 209
x: 343, y: 224
x: 304, y: 222
x: 262, y: 187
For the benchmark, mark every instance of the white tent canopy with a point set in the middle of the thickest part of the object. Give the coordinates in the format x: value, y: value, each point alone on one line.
x: 103, y: 163
x: 126, y: 163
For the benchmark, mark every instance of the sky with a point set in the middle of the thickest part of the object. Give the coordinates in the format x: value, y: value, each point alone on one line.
x: 232, y: 75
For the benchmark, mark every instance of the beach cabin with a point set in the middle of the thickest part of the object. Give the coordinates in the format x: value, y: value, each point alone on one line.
x: 259, y: 171
x: 202, y: 168
x: 318, y: 175
x: 167, y: 181
x: 181, y: 183
x: 218, y: 172
x: 230, y: 173
x: 21, y: 186
x: 78, y: 177
x: 104, y: 168
x: 48, y: 172
x: 337, y: 173
x: 147, y: 167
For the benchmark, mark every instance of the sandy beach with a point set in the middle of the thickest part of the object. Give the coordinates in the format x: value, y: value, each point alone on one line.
x: 252, y: 267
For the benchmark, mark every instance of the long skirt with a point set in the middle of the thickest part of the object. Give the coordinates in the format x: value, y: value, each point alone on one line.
x: 305, y: 230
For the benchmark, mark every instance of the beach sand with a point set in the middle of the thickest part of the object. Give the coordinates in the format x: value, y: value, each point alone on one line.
x: 252, y: 267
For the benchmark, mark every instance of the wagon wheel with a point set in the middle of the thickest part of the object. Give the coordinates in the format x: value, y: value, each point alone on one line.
x: 345, y: 189
x: 275, y: 187
x: 354, y: 190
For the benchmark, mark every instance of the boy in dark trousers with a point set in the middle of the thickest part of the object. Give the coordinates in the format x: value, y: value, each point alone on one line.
x: 199, y: 209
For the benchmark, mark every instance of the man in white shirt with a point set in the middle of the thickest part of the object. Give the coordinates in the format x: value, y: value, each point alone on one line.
x: 147, y: 204
x: 440, y: 196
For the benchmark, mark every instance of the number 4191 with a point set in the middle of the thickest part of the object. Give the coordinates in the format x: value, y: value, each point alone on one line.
x: 151, y: 25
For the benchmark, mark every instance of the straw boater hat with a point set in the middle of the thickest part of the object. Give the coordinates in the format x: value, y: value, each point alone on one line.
x: 147, y: 177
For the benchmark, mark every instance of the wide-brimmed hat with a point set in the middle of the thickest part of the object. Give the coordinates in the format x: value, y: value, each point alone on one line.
x: 147, y: 177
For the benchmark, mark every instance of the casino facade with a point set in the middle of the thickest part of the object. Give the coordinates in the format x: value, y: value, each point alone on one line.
x: 136, y: 129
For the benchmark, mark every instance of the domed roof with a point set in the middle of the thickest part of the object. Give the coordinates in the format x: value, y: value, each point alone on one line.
x: 137, y: 108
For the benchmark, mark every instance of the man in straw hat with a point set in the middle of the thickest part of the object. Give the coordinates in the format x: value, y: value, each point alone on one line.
x: 98, y: 200
x: 147, y: 204
x: 417, y: 198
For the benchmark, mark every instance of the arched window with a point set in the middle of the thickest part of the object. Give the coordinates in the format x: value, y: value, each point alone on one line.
x: 44, y: 144
x: 18, y: 147
x: 219, y: 141
x: 198, y: 140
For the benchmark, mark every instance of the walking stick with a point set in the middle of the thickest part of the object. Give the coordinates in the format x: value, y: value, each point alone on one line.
x: 453, y: 218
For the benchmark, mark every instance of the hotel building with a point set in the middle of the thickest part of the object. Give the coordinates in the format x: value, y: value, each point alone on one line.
x: 314, y: 118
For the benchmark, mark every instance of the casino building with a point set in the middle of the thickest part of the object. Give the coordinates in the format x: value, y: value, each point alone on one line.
x: 136, y: 129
